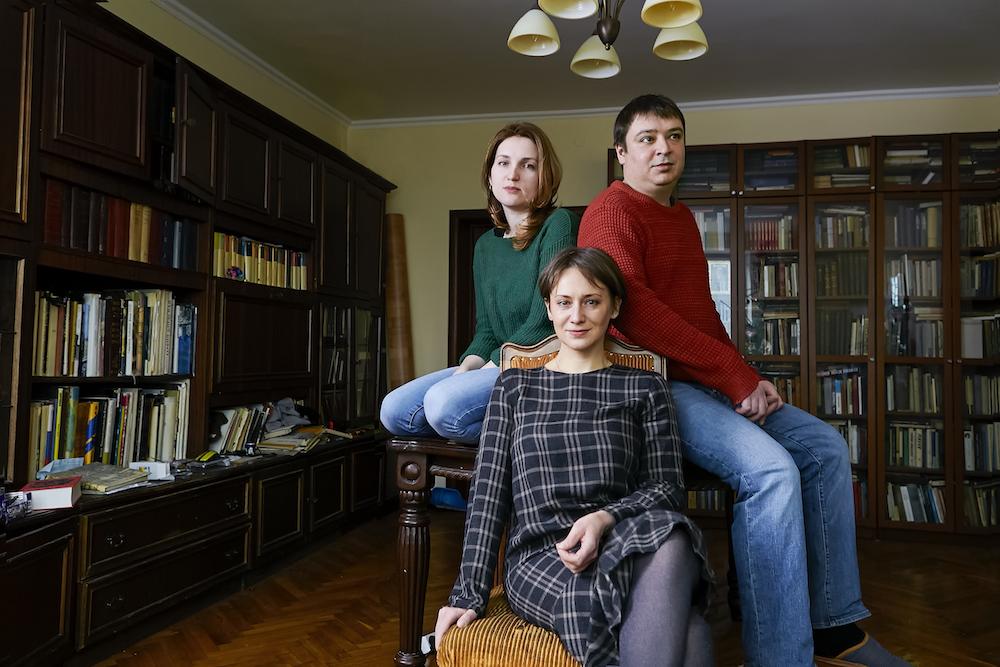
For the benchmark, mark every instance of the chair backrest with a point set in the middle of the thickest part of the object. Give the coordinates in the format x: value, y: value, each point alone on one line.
x: 624, y: 354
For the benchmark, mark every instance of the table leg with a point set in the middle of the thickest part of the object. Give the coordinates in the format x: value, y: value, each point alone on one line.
x: 413, y: 549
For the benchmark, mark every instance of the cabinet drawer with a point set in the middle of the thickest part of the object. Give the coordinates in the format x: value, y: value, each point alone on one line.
x: 114, y: 537
x: 125, y: 596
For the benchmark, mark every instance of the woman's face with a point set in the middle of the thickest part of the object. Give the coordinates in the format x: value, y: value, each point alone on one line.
x: 514, y: 174
x: 580, y: 311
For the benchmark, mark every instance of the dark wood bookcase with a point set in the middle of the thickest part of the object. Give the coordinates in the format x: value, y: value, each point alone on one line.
x: 103, y: 117
x: 897, y: 241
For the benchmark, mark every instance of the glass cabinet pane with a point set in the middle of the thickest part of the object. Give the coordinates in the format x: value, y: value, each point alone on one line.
x: 713, y: 223
x: 841, y: 265
x: 366, y: 371
x: 786, y: 378
x: 913, y: 275
x: 10, y: 290
x: 912, y: 162
x: 706, y: 171
x: 981, y: 443
x: 766, y: 169
x: 846, y: 165
x: 771, y: 234
x: 335, y: 364
x: 978, y: 161
x: 842, y: 395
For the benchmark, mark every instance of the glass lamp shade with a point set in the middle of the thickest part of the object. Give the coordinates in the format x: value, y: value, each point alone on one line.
x: 534, y: 35
x: 569, y: 9
x: 594, y: 61
x: 671, y: 13
x: 686, y: 43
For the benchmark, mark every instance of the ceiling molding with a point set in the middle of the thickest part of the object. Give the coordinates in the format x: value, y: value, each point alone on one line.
x: 241, y: 53
x: 713, y: 105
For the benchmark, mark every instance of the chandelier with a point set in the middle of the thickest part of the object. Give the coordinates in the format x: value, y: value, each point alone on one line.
x: 680, y: 38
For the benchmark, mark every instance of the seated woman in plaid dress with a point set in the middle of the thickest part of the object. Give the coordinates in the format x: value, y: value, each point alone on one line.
x: 580, y: 460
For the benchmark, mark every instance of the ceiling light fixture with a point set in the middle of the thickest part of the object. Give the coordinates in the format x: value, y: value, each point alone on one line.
x: 680, y: 38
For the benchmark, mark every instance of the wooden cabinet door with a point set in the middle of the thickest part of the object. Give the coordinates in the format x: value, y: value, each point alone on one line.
x: 336, y: 263
x: 278, y: 502
x: 327, y: 491
x: 367, y: 476
x: 369, y: 224
x: 296, y: 191
x: 40, y: 570
x: 95, y: 92
x: 17, y: 59
x: 246, y: 153
x: 196, y: 135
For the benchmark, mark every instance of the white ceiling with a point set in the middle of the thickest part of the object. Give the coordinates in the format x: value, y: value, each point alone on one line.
x: 384, y: 60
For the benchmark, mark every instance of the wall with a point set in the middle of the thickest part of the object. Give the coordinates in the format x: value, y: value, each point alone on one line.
x: 436, y: 169
x: 242, y: 73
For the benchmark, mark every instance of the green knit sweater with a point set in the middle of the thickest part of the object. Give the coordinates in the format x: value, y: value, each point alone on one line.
x: 508, y: 307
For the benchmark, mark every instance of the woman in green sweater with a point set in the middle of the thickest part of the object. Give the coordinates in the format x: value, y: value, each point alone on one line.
x: 521, y: 175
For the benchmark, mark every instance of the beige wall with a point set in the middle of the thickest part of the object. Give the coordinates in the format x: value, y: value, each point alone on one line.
x: 436, y: 169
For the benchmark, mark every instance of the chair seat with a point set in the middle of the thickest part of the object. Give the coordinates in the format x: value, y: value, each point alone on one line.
x: 501, y: 639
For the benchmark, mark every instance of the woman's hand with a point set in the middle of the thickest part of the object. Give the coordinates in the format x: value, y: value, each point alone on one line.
x: 449, y: 616
x: 585, y: 536
x: 470, y: 363
x: 764, y: 400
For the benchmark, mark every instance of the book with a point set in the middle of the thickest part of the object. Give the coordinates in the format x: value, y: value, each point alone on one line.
x: 103, y: 477
x: 54, y: 492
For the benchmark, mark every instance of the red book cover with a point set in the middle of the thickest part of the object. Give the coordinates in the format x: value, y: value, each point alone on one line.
x: 53, y: 212
x: 118, y: 214
x: 54, y: 493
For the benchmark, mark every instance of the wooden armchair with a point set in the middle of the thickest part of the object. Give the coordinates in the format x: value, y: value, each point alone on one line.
x: 500, y: 638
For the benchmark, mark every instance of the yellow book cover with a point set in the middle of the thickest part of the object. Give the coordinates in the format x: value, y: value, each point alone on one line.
x: 147, y: 221
x: 134, y: 230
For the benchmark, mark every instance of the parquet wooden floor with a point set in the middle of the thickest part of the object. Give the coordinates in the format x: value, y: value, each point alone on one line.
x: 936, y: 604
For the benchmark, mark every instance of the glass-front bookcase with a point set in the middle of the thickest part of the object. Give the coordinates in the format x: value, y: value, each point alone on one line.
x: 714, y: 221
x: 11, y: 276
x: 772, y: 337
x: 841, y: 267
x: 915, y: 338
x: 978, y: 393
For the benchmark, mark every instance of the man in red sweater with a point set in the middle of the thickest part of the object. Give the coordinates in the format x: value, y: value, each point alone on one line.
x: 794, y: 518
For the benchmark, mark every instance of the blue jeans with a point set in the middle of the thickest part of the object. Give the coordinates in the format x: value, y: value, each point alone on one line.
x: 441, y: 403
x: 793, y: 532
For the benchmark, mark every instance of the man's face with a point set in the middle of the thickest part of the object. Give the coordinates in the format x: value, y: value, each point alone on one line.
x: 653, y: 156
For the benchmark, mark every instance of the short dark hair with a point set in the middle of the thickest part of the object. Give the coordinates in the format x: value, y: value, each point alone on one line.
x: 595, y: 265
x: 645, y: 105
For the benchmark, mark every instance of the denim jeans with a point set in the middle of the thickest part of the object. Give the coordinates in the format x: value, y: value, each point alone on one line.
x: 441, y: 403
x: 793, y: 533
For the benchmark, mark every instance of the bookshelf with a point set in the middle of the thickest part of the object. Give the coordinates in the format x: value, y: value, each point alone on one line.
x: 167, y: 249
x: 895, y: 244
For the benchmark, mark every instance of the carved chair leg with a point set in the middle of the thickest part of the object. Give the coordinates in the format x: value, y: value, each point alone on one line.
x: 413, y: 550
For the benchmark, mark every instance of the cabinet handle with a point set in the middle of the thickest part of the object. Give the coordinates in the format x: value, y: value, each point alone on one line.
x: 232, y: 505
x: 116, y: 540
x: 232, y: 555
x: 115, y: 602
x: 190, y: 122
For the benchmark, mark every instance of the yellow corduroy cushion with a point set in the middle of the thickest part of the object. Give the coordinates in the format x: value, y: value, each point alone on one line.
x: 501, y: 639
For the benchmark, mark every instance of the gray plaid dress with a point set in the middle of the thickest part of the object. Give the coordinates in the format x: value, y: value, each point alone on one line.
x: 555, y: 447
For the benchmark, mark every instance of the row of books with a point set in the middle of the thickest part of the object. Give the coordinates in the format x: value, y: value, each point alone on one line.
x: 773, y: 277
x: 979, y: 162
x: 242, y: 258
x: 912, y: 389
x: 981, y: 442
x: 916, y: 333
x: 850, y: 156
x: 841, y: 391
x: 981, y: 336
x: 85, y: 220
x: 911, y: 277
x: 771, y: 232
x: 856, y: 436
x: 789, y: 388
x: 116, y: 426
x: 914, y: 225
x: 860, y: 488
x: 777, y: 333
x: 702, y: 497
x: 981, y: 500
x: 916, y: 503
x: 842, y: 274
x: 842, y: 226
x: 914, y: 445
x: 979, y: 225
x: 117, y: 333
x: 982, y: 393
x: 842, y: 179
x: 706, y: 172
x: 840, y: 332
x: 979, y: 276
x: 714, y: 228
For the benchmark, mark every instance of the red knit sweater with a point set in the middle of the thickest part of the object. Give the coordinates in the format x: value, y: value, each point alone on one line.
x: 669, y: 307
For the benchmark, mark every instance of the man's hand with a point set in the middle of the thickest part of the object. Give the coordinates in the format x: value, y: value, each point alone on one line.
x: 586, y: 534
x: 761, y: 402
x: 449, y: 616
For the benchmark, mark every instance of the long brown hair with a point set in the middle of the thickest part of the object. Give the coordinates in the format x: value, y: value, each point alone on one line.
x: 549, y: 178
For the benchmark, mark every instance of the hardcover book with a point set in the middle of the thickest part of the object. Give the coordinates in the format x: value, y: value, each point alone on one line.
x: 54, y: 492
